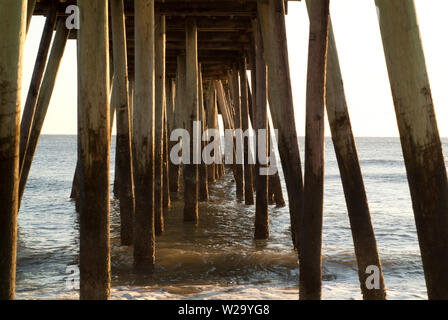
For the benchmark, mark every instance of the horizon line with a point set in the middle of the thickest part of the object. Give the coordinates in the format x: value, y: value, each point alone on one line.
x: 74, y: 134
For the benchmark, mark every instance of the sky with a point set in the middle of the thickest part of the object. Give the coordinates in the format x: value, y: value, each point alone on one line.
x: 361, y: 57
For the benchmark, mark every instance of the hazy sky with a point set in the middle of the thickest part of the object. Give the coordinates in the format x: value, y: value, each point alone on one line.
x: 360, y: 51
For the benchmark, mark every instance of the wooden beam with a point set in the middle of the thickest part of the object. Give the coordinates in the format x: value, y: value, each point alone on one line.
x: 12, y: 38
x: 207, y: 9
x: 228, y: 120
x: 143, y: 134
x: 178, y: 8
x: 207, y: 67
x: 160, y: 105
x: 347, y: 156
x: 178, y: 119
x: 212, y: 124
x: 218, y: 24
x: 203, y: 178
x: 174, y: 170
x: 260, y: 124
x: 239, y: 170
x: 207, y: 45
x: 248, y: 178
x: 237, y: 36
x: 124, y: 144
x: 310, y: 253
x: 191, y: 176
x: 36, y: 81
x: 93, y: 149
x: 43, y: 101
x: 206, y: 53
x: 223, y: 105
x: 273, y: 29
x: 420, y: 140
x: 218, y: 46
x: 166, y: 156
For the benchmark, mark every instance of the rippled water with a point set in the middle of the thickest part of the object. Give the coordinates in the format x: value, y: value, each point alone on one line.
x: 219, y: 259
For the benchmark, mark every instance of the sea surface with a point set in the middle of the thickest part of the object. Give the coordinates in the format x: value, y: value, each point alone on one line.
x: 219, y: 259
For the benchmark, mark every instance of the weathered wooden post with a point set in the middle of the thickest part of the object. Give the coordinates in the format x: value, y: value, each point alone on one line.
x: 224, y: 107
x: 228, y: 118
x: 113, y: 100
x: 310, y: 253
x: 250, y: 102
x: 203, y: 179
x: 12, y: 39
x: 248, y: 178
x: 75, y: 184
x: 239, y: 167
x: 43, y: 102
x: 166, y: 161
x: 261, y: 123
x: 143, y: 136
x: 160, y: 104
x: 345, y: 148
x: 191, y: 175
x: 94, y: 148
x: 420, y: 141
x: 35, y: 84
x: 275, y: 193
x: 212, y: 123
x: 273, y: 30
x: 173, y: 94
x: 124, y: 143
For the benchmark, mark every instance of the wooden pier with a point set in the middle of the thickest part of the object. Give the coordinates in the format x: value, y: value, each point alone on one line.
x: 162, y: 65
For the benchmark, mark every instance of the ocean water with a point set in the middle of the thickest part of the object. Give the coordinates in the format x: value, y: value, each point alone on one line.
x: 219, y: 259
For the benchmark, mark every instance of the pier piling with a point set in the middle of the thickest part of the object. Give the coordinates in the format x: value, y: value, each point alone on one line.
x: 124, y: 144
x: 239, y: 166
x: 347, y: 157
x: 248, y: 177
x: 273, y: 30
x: 35, y: 85
x: 160, y: 104
x: 172, y: 117
x: 93, y: 148
x: 420, y: 141
x: 203, y: 174
x: 12, y: 39
x: 166, y: 160
x: 191, y: 174
x: 143, y: 136
x: 43, y: 101
x: 310, y: 253
x: 261, y: 123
